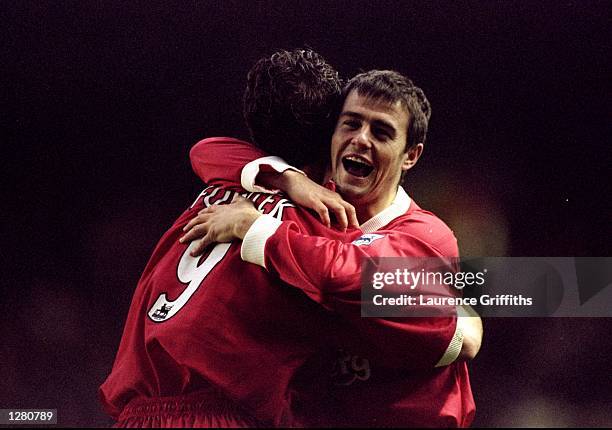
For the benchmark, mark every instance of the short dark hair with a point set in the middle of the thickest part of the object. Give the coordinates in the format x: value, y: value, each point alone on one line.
x: 289, y: 103
x: 391, y: 86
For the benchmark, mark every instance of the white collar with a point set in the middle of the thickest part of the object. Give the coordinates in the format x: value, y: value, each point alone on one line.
x: 400, y: 205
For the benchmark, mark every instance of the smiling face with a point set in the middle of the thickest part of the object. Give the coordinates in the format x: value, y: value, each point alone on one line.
x: 369, y: 152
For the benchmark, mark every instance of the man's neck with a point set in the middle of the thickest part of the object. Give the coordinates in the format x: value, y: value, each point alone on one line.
x: 317, y: 173
x: 367, y: 212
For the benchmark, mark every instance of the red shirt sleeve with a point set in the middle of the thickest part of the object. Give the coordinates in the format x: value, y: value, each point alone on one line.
x: 330, y: 271
x: 219, y: 160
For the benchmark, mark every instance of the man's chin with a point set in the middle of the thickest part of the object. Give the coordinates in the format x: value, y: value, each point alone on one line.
x: 351, y: 193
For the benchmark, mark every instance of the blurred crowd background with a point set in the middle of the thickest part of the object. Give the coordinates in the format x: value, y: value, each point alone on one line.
x: 101, y: 102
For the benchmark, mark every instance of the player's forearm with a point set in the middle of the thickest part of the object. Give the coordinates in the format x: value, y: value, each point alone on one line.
x: 305, y: 262
x: 274, y: 180
x: 219, y: 161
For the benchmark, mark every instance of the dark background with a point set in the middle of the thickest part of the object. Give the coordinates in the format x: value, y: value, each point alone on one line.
x: 101, y: 102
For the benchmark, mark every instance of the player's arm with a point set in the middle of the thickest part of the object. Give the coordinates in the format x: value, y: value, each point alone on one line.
x: 219, y: 160
x: 334, y: 267
x: 329, y: 272
x: 238, y: 165
x: 280, y: 176
x: 233, y: 163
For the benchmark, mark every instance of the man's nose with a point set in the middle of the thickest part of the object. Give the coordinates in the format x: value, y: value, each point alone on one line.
x: 362, y: 138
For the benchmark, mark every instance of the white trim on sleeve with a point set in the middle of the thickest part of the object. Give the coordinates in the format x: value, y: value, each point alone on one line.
x: 251, y: 170
x: 454, y: 348
x: 254, y: 242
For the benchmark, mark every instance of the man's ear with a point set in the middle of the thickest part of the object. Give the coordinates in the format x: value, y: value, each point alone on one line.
x: 412, y: 156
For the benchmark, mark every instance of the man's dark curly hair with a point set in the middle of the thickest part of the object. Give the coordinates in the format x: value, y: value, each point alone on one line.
x: 391, y: 86
x: 289, y: 103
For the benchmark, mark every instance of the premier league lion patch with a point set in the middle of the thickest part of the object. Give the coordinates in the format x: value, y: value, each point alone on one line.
x: 367, y: 239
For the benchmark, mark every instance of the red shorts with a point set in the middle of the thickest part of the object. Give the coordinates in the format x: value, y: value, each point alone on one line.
x: 200, y: 409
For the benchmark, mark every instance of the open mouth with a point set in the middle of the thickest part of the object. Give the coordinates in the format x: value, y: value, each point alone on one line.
x: 357, y: 166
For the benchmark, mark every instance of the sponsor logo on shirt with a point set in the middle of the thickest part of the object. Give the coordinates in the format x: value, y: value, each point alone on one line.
x: 367, y: 239
x: 349, y: 368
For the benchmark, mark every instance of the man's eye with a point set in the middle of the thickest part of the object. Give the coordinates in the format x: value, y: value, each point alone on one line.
x: 382, y: 134
x: 352, y: 124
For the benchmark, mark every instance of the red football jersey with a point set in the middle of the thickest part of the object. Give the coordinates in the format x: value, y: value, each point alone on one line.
x: 217, y: 324
x: 392, y: 354
x: 387, y: 377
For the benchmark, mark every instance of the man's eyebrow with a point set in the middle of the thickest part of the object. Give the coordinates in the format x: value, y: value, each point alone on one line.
x: 351, y: 114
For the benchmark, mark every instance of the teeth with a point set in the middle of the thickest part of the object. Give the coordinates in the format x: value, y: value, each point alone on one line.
x: 357, y: 160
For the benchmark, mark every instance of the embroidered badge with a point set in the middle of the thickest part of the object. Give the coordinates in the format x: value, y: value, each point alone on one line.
x: 367, y: 239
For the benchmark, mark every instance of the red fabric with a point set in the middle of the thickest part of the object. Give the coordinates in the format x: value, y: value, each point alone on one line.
x: 197, y: 410
x: 329, y: 272
x: 239, y: 332
x: 262, y: 345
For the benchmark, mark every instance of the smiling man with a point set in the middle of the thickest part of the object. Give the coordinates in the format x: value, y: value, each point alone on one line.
x: 378, y: 137
x: 372, y: 146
